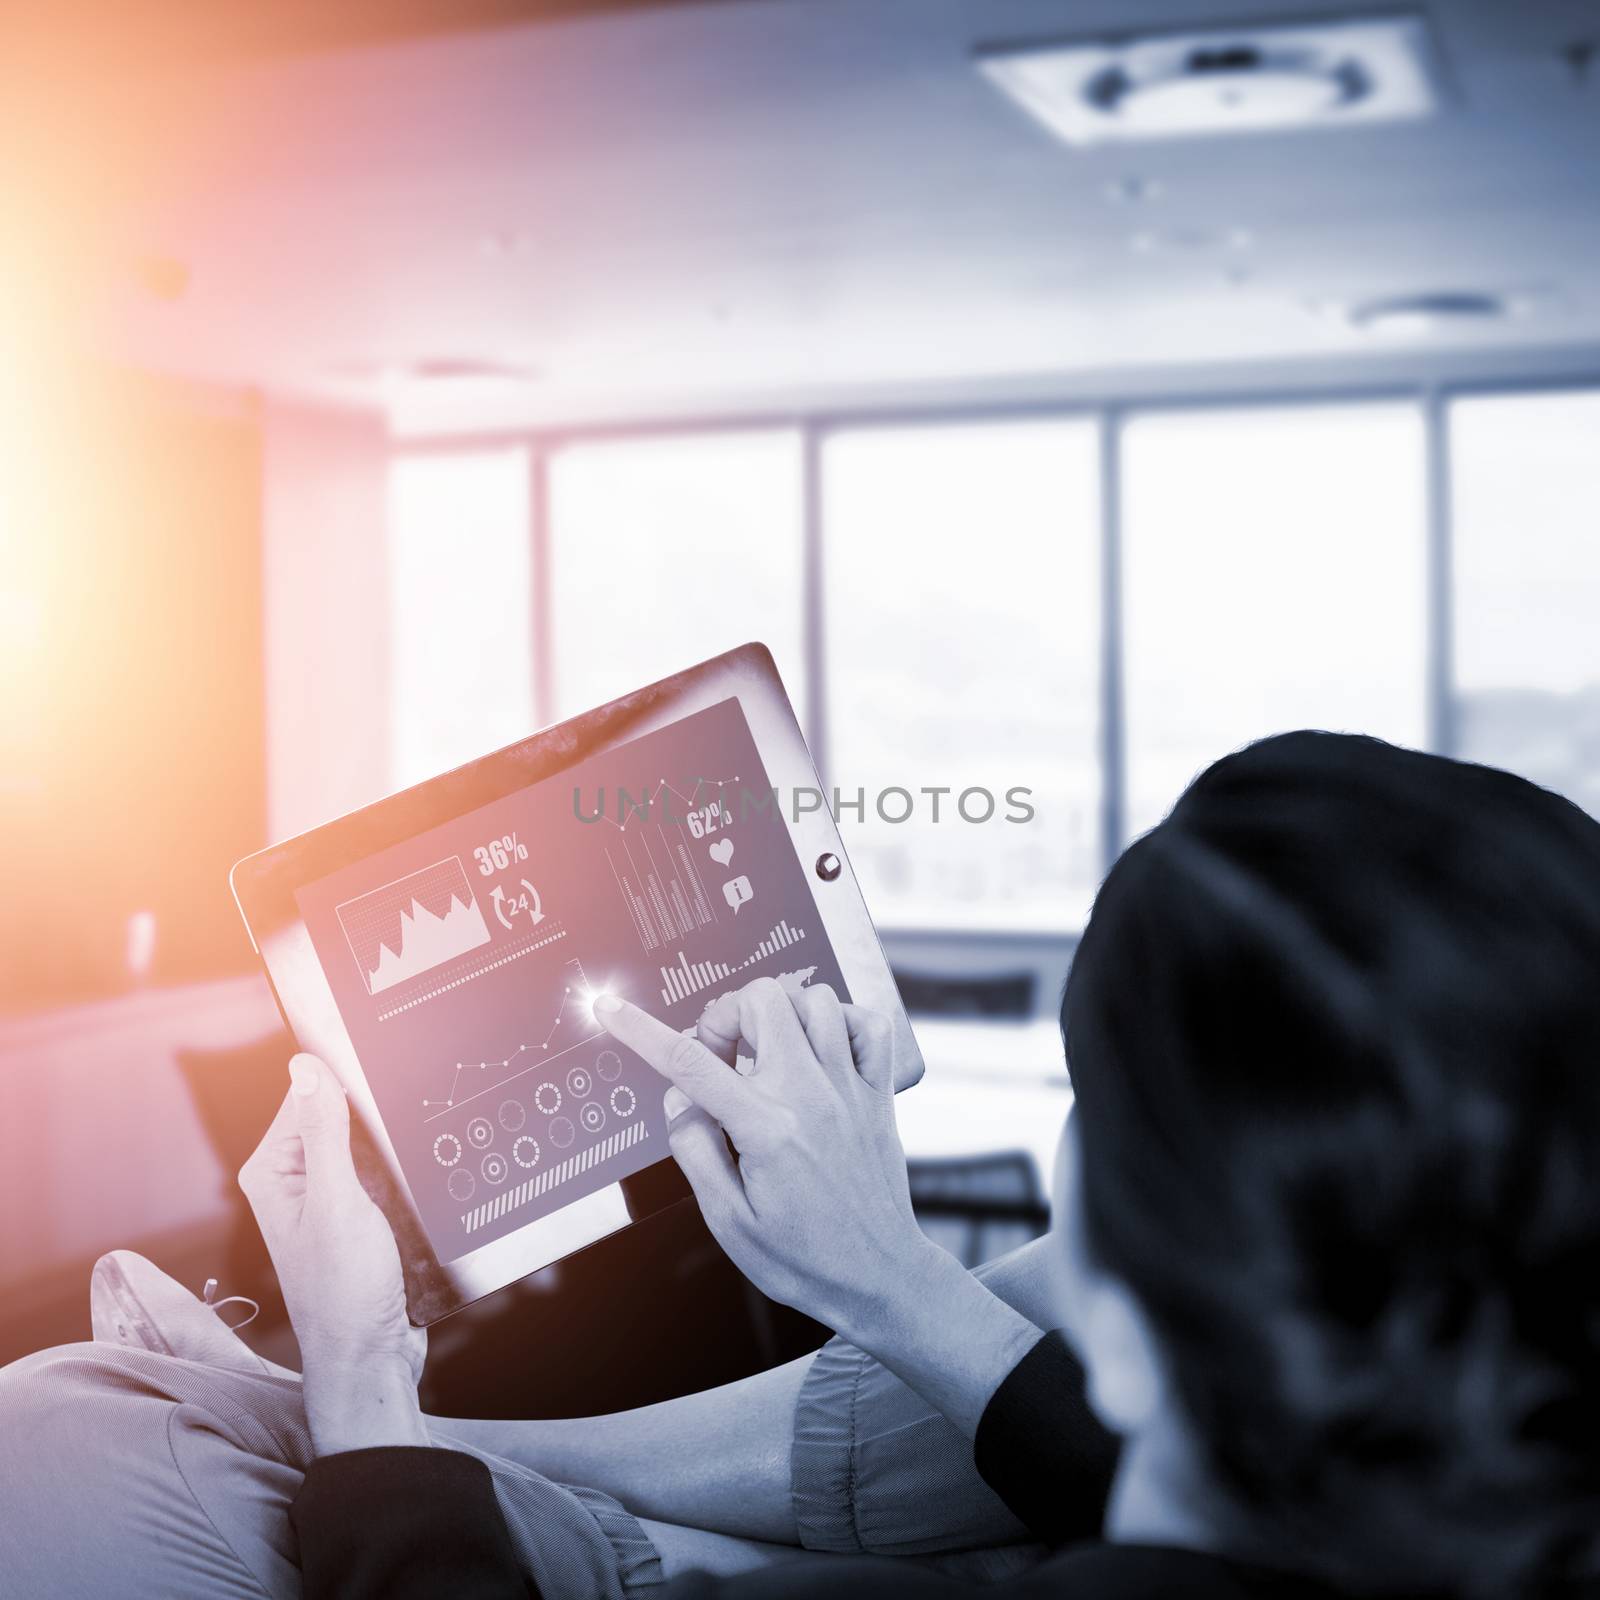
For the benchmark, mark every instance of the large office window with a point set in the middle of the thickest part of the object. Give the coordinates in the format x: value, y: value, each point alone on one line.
x: 665, y: 551
x: 962, y: 611
x: 1525, y: 497
x: 461, y: 610
x: 1275, y: 577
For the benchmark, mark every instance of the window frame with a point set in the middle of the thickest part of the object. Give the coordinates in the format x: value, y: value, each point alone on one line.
x: 1110, y: 413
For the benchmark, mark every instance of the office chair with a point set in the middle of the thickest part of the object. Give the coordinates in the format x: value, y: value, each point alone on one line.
x: 981, y: 1206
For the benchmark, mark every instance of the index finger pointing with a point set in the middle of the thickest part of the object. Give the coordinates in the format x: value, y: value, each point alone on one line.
x: 682, y: 1060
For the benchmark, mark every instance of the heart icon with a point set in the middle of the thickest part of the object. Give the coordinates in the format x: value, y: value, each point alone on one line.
x: 722, y: 852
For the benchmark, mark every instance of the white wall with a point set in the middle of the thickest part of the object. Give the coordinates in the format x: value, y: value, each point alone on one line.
x: 327, y: 613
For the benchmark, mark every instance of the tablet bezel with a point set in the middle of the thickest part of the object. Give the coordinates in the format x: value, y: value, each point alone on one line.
x: 265, y: 884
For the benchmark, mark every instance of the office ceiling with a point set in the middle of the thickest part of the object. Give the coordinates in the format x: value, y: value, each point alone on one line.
x: 733, y: 207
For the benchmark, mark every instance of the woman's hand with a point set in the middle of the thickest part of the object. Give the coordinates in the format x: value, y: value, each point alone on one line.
x: 816, y: 1210
x: 339, y: 1270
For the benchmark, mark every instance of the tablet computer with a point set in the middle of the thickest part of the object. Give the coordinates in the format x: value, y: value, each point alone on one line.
x: 440, y: 950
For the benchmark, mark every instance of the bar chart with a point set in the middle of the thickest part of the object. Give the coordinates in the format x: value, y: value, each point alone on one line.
x: 691, y: 977
x: 661, y: 887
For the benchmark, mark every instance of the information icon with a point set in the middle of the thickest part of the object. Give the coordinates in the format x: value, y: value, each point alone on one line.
x: 579, y: 1083
x: 480, y: 1133
x: 495, y: 1168
x: 609, y: 1065
x: 593, y: 1117
x: 562, y: 1133
x: 461, y: 1184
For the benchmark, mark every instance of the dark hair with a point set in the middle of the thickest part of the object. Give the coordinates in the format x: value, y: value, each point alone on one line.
x: 1334, y: 1030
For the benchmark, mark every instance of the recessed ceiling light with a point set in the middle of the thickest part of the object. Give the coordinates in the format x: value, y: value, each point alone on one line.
x: 1132, y: 190
x: 1413, y: 315
x: 1190, y: 241
x: 502, y: 242
x: 432, y: 369
x: 162, y: 277
x: 361, y: 369
x: 451, y: 369
x: 1247, y: 80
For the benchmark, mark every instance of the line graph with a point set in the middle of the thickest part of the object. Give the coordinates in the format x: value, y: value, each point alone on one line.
x: 576, y: 984
x: 640, y: 810
x: 412, y: 924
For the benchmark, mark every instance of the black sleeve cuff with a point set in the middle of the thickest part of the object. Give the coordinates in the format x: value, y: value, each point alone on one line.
x: 1043, y: 1451
x: 403, y: 1523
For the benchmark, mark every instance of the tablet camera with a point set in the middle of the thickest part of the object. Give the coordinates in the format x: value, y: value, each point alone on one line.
x: 562, y: 1132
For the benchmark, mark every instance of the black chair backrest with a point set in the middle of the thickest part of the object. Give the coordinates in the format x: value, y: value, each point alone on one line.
x: 980, y: 1206
x: 1003, y: 994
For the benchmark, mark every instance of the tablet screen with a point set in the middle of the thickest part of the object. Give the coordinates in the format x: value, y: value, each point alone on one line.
x: 464, y: 960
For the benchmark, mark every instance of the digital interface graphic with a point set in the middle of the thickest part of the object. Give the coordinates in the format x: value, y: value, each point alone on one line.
x: 413, y: 924
x: 465, y: 960
x: 690, y: 977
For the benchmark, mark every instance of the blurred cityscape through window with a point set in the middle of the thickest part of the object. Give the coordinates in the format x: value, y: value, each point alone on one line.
x: 975, y: 666
x: 1525, y: 499
x: 460, y: 608
x: 665, y: 551
x: 1274, y: 574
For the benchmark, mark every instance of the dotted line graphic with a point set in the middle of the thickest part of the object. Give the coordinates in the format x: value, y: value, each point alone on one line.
x: 477, y: 972
x: 697, y: 799
x: 522, y: 1049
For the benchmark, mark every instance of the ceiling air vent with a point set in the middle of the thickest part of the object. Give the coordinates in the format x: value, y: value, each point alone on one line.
x: 1255, y: 79
x: 1411, y: 314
